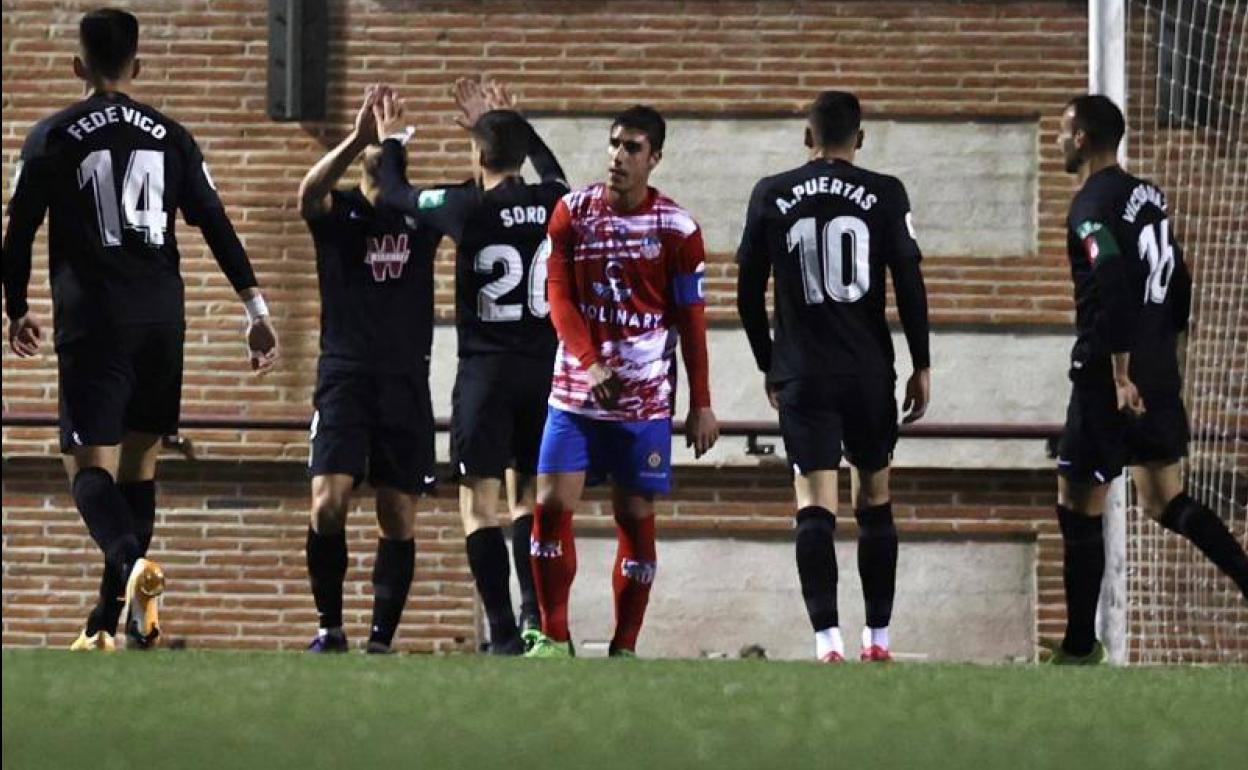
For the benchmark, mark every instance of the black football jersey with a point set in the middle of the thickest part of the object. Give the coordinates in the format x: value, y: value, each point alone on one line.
x: 111, y: 173
x: 375, y: 267
x: 829, y: 229
x: 500, y: 263
x: 1132, y: 288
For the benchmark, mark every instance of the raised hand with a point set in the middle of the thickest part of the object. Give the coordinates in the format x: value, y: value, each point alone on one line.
x: 470, y: 98
x: 499, y: 97
x: 388, y: 112
x: 365, y: 128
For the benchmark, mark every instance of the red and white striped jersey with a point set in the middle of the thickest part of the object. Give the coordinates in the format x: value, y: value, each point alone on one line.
x: 629, y: 278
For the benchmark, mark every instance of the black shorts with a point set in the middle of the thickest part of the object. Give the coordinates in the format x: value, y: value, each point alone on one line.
x: 1093, y: 447
x: 818, y: 417
x: 374, y: 425
x: 124, y: 379
x: 498, y: 413
x: 1160, y: 435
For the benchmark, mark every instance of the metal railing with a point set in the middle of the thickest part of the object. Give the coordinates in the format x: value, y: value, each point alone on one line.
x: 751, y: 430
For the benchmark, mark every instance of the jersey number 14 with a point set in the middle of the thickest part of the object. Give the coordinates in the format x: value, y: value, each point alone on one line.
x: 838, y: 264
x: 142, y: 195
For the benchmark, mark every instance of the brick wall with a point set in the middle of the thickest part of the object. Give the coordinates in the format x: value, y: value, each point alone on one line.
x: 204, y: 63
x: 231, y: 536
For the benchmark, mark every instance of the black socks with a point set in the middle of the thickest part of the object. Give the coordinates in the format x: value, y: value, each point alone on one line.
x: 877, y: 562
x: 107, y: 516
x: 327, y: 567
x: 487, y: 557
x: 521, y: 533
x: 1194, y: 521
x: 1083, y: 546
x: 816, y: 565
x: 141, y: 497
x: 392, y: 578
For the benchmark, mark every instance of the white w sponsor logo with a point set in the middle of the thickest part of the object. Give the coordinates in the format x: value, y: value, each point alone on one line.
x: 387, y: 256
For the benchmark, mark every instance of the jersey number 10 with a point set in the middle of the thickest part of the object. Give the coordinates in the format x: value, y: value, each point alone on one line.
x: 488, y: 306
x: 843, y: 260
x: 1159, y: 252
x: 142, y: 194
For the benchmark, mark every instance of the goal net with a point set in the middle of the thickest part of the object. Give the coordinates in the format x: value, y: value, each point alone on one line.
x: 1187, y: 118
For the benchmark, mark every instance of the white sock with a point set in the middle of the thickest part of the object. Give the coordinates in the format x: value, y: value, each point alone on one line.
x: 829, y: 640
x: 875, y: 636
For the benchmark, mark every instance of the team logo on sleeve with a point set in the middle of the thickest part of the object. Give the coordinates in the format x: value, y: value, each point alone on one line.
x: 1087, y: 233
x: 431, y: 199
x: 387, y: 255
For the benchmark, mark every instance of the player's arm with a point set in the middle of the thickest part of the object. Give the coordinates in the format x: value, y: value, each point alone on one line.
x: 569, y: 324
x: 910, y: 293
x: 474, y: 100
x: 1116, y: 322
x: 1181, y: 289
x: 444, y: 209
x: 543, y: 159
x: 753, y: 271
x: 701, y: 427
x: 27, y: 206
x: 202, y: 208
x: 319, y: 182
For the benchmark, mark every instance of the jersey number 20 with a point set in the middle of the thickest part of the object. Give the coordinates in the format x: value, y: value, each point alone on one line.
x: 830, y: 268
x: 142, y: 194
x: 488, y: 306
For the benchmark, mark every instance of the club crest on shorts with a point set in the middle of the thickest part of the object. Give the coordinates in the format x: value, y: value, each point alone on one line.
x: 654, y: 459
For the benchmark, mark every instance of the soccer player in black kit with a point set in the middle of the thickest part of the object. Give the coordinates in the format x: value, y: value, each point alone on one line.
x: 1132, y: 299
x: 373, y: 414
x: 506, y: 342
x: 830, y: 229
x: 112, y: 173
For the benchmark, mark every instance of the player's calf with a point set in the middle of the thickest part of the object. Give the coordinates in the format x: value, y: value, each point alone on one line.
x: 817, y: 572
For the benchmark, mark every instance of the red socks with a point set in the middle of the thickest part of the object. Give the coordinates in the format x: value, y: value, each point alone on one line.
x: 635, y: 562
x: 552, y: 554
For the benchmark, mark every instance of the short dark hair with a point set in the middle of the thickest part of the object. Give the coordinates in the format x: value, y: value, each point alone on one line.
x: 503, y: 138
x: 835, y: 117
x: 1099, y: 118
x: 110, y: 39
x: 646, y: 119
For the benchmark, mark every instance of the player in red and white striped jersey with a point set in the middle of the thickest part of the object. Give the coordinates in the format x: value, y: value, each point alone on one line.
x: 625, y: 283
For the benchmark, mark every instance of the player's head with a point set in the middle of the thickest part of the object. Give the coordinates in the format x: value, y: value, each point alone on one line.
x: 834, y: 122
x: 502, y: 141
x: 1091, y: 125
x: 370, y: 161
x: 636, y: 147
x: 109, y: 40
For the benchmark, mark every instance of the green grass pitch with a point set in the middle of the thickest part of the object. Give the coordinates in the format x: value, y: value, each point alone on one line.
x: 196, y: 709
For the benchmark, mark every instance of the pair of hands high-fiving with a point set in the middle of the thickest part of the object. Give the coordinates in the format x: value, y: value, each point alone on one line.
x: 381, y: 115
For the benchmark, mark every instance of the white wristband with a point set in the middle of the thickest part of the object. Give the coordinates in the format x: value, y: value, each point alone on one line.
x: 403, y: 136
x: 255, y: 308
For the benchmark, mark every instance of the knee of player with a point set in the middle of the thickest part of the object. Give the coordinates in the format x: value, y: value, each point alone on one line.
x: 329, y: 513
x: 814, y: 524
x: 476, y: 518
x: 876, y: 521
